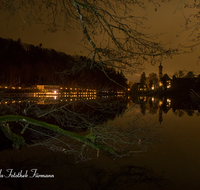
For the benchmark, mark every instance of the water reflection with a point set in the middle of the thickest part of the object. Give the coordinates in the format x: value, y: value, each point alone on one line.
x: 112, y: 106
x: 160, y: 105
x: 67, y: 175
x: 80, y: 115
x: 93, y: 114
x: 90, y: 113
x: 53, y: 98
x: 88, y: 118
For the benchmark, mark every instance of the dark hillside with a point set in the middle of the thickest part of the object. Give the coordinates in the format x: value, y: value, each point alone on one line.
x: 27, y: 65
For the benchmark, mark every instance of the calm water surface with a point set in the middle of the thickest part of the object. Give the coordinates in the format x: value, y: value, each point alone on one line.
x: 177, y: 154
x: 173, y: 153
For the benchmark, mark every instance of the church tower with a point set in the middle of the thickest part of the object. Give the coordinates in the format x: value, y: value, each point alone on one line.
x: 160, y: 71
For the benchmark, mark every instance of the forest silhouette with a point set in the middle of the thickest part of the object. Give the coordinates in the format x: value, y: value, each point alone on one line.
x: 28, y: 65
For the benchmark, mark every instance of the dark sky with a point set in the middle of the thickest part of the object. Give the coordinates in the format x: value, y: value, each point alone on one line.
x: 164, y: 20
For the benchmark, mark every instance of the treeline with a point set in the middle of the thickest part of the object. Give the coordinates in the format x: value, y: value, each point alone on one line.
x: 185, y: 74
x: 27, y: 65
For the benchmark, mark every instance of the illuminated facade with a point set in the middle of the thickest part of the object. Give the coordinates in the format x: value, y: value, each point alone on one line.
x: 48, y: 88
x: 166, y: 81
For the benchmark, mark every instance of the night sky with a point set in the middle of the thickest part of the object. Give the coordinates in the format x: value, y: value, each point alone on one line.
x: 165, y: 20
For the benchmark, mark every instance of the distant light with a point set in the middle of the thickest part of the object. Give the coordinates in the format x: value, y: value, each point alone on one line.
x: 55, y: 92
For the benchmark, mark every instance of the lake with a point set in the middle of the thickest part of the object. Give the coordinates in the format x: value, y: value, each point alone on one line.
x: 165, y: 156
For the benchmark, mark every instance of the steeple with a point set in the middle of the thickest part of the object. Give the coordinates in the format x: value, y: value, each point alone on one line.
x: 160, y: 71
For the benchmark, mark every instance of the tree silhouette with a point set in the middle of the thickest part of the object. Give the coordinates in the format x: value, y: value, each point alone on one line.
x: 123, y: 47
x: 190, y: 74
x: 179, y: 74
x: 153, y: 79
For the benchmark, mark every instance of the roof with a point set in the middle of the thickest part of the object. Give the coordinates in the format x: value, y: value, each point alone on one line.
x: 166, y: 77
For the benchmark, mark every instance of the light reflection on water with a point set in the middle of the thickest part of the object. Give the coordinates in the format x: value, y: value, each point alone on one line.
x: 174, y: 153
x: 51, y: 98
